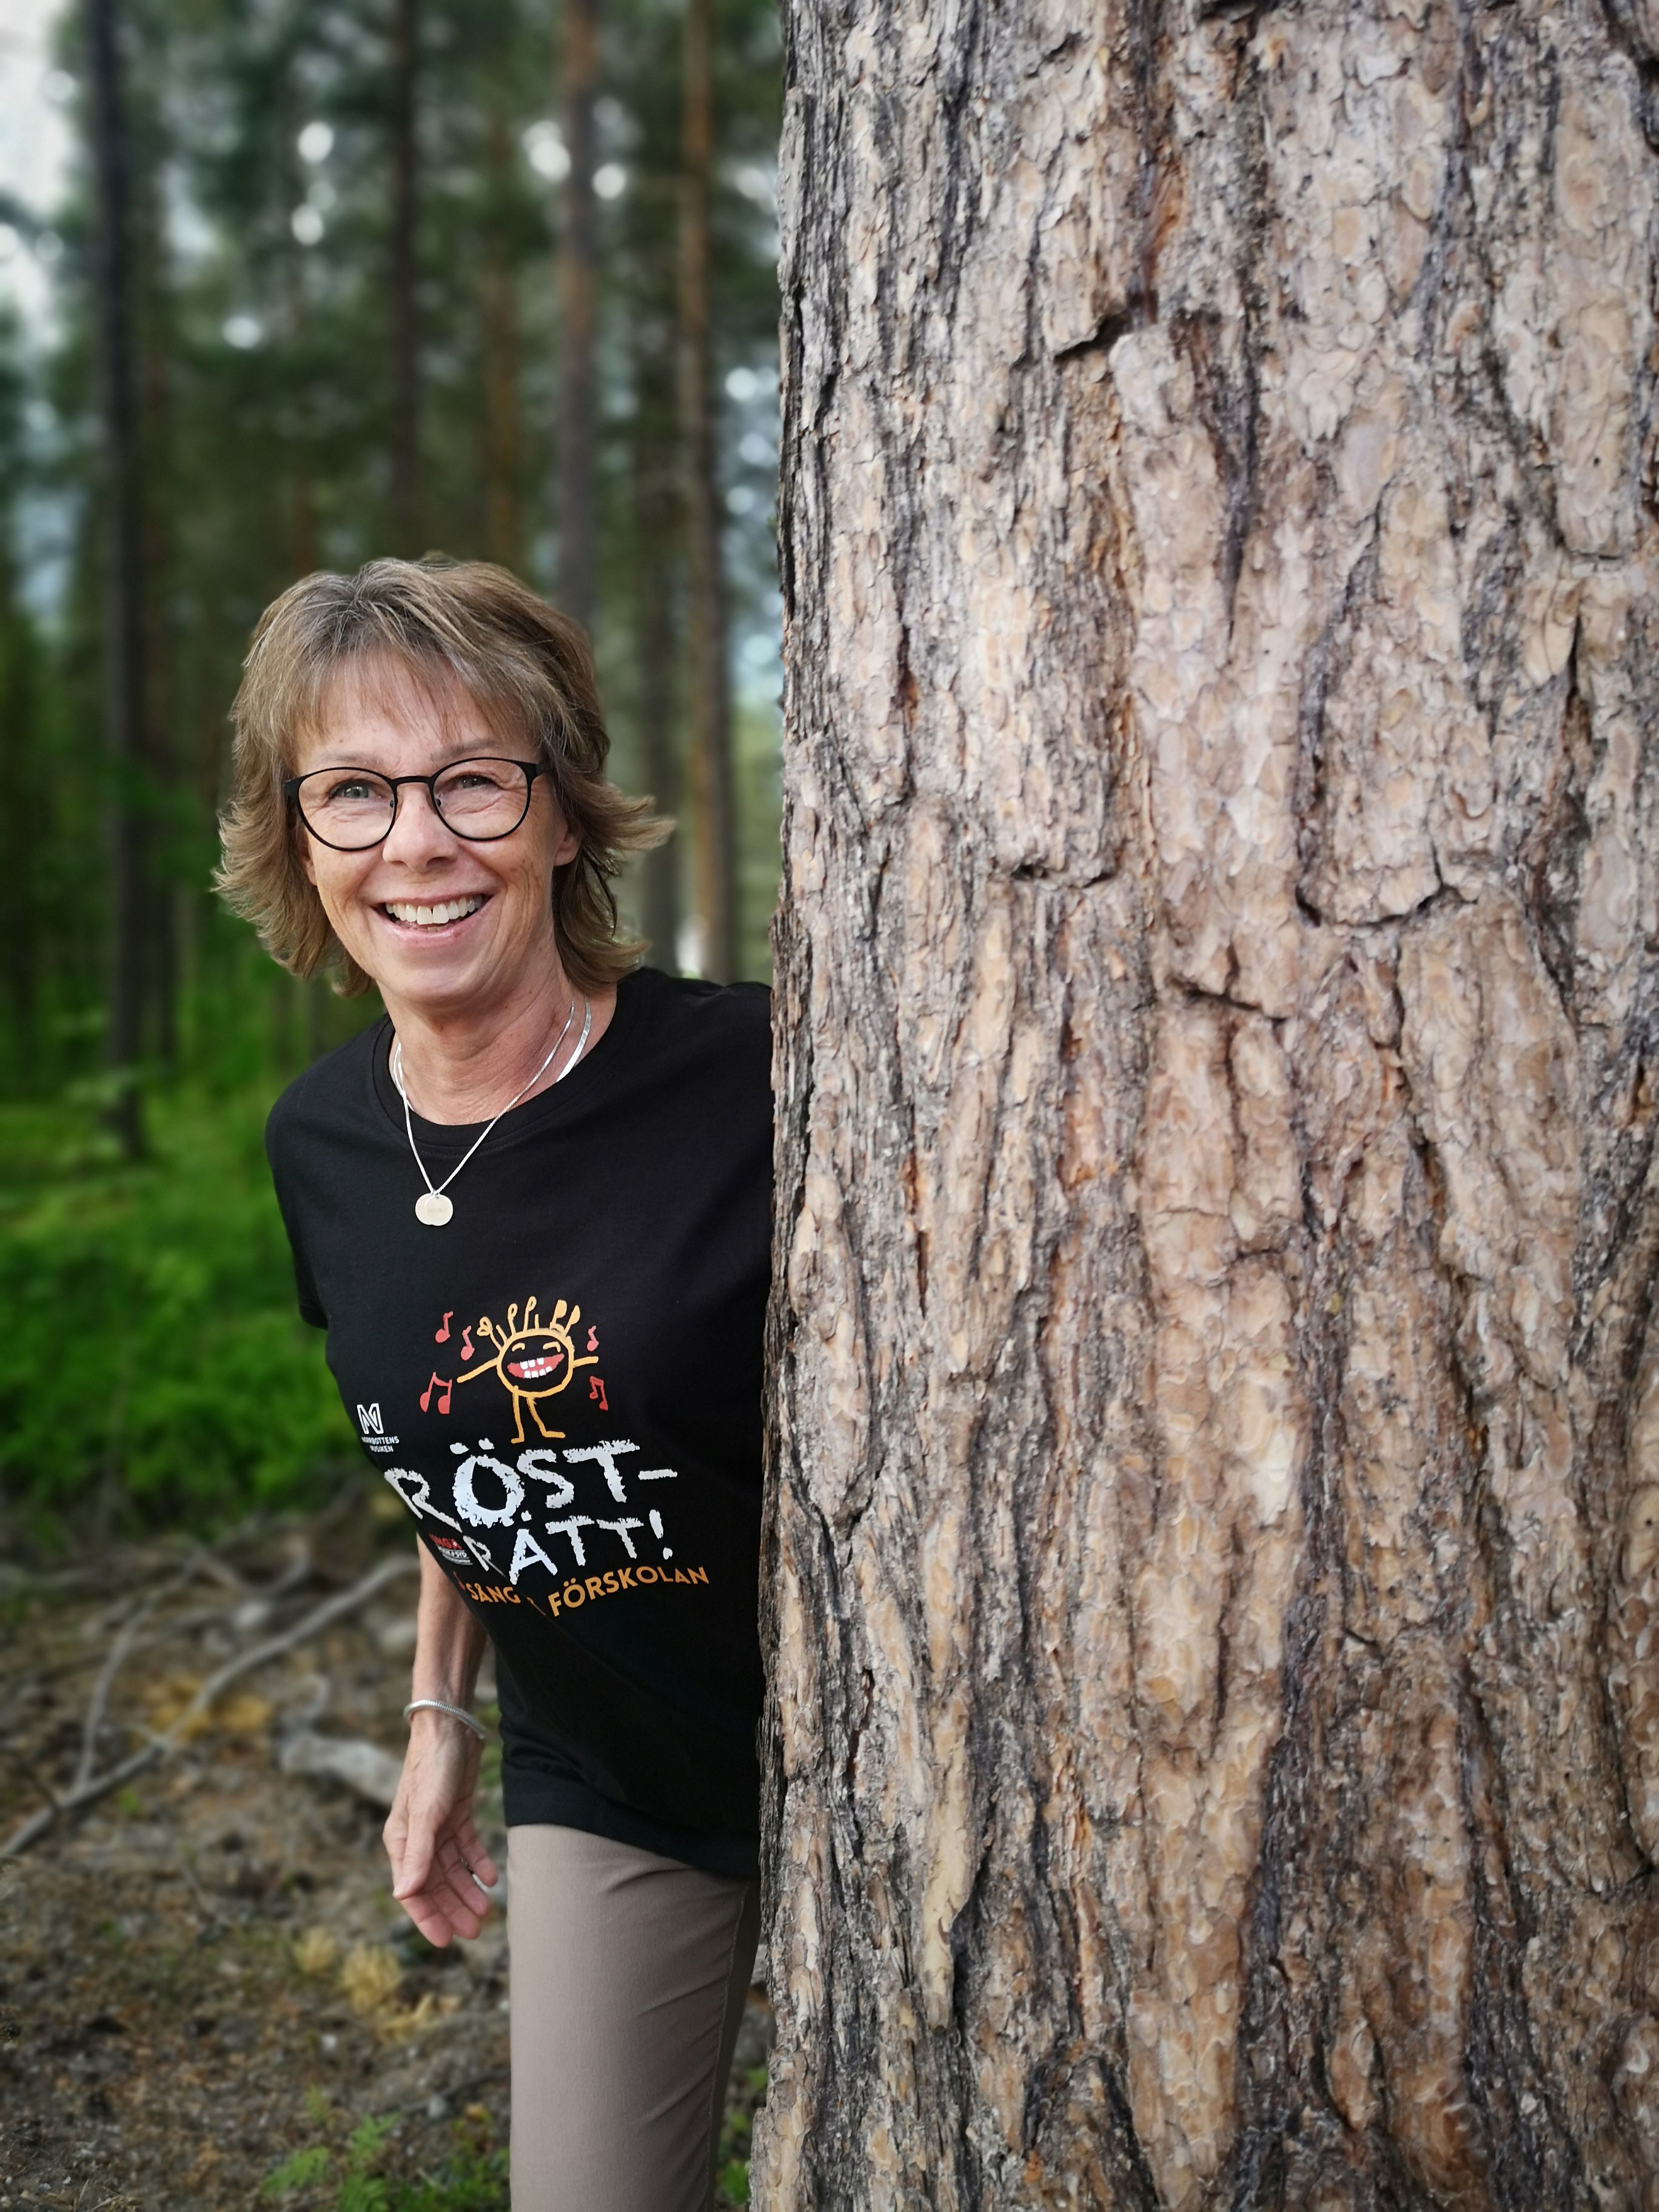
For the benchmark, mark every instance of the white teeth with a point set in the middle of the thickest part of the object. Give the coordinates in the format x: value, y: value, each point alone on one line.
x: 432, y: 917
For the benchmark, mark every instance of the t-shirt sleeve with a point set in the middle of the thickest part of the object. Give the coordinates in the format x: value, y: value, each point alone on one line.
x: 305, y: 1283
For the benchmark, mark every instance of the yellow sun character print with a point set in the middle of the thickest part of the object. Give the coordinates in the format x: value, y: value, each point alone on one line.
x: 535, y: 1359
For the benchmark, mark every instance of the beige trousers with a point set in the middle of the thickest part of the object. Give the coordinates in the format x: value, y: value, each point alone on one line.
x: 627, y: 1974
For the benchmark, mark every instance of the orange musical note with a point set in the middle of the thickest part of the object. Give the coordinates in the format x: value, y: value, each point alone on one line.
x: 593, y: 1339
x: 596, y: 1389
x: 444, y: 1389
x: 442, y: 1336
x: 466, y: 1344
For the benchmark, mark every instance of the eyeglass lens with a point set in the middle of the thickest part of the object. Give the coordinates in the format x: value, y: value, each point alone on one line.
x: 353, y: 807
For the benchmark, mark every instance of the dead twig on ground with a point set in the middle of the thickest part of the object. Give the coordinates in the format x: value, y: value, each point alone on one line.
x: 114, y: 1661
x: 96, y: 1786
x: 248, y: 1608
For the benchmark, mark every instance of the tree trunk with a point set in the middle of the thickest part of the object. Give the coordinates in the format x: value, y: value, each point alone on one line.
x: 154, y: 401
x: 405, y: 317
x: 712, y: 793
x: 301, y: 485
x: 501, y: 301
x: 655, y: 466
x: 1214, y: 1539
x: 578, y: 279
x: 125, y: 674
x: 23, y: 810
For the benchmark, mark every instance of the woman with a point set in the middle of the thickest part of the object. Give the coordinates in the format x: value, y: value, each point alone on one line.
x: 531, y: 1207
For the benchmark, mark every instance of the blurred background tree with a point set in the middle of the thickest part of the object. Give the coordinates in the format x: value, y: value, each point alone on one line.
x: 320, y: 280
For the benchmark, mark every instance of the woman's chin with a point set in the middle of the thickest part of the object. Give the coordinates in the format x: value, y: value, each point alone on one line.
x: 432, y: 979
x: 485, y: 959
x: 427, y: 965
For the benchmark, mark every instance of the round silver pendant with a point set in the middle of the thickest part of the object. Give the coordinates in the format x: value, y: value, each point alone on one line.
x: 432, y: 1208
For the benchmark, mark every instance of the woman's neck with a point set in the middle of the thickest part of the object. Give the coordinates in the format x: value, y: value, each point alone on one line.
x: 463, y: 1064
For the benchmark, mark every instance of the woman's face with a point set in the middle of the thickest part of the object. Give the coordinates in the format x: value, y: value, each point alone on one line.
x: 441, y: 922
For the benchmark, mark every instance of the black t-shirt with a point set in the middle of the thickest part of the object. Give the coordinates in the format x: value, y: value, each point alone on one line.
x: 563, y: 1384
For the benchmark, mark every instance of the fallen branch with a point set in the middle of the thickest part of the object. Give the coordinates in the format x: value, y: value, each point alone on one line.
x: 118, y: 1653
x: 223, y: 1615
x: 321, y: 1617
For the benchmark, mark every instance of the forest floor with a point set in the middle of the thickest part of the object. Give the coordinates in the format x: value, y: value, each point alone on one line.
x: 208, y: 2000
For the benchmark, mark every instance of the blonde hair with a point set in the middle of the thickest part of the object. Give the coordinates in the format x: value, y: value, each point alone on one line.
x: 439, y: 626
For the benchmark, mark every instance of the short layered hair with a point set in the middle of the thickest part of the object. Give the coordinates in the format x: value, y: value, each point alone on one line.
x: 440, y: 627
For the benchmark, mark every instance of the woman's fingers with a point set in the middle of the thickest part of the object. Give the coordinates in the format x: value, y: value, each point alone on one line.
x: 413, y: 1869
x: 438, y: 1914
x: 438, y: 1862
x: 428, y: 1813
x: 438, y: 1883
x: 459, y: 1879
x: 473, y: 1851
x: 433, y: 1923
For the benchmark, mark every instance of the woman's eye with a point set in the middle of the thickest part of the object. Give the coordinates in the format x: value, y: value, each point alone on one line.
x: 353, y: 787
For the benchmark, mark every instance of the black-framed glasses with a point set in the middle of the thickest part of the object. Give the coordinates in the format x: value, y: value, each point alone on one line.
x: 351, y: 809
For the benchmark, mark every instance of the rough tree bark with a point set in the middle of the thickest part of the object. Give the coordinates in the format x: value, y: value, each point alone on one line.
x: 1214, y: 1534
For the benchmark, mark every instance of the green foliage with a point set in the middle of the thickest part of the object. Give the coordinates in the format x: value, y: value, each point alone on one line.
x: 303, y: 2171
x: 362, y: 2192
x: 732, y: 2166
x: 473, y: 2181
x: 154, y: 1346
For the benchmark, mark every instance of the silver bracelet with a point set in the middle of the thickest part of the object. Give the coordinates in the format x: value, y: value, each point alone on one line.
x: 455, y: 1712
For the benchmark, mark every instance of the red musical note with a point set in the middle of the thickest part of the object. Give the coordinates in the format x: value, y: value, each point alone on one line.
x: 596, y: 1389
x: 444, y: 1389
x: 466, y: 1344
x: 593, y: 1339
x: 442, y: 1336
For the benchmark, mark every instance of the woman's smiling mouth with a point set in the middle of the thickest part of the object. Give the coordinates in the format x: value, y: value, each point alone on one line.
x: 414, y: 915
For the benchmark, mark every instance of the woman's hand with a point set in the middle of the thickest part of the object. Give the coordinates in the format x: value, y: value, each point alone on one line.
x: 430, y: 1839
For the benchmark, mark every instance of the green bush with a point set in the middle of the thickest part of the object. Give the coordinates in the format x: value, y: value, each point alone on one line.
x: 153, y: 1351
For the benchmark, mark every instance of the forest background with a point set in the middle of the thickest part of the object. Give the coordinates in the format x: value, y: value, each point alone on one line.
x: 491, y: 277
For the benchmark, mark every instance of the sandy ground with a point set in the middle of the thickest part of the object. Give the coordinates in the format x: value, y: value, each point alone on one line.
x: 202, y: 1978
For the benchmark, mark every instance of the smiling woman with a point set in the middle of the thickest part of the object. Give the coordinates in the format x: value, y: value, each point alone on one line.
x: 466, y: 651
x: 421, y: 802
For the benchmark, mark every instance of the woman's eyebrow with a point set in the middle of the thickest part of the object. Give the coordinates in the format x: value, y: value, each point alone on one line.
x: 459, y: 751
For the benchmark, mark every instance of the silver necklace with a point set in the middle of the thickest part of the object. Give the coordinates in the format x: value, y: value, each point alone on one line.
x: 432, y: 1207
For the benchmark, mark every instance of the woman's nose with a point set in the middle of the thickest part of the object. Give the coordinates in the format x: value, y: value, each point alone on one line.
x: 418, y: 830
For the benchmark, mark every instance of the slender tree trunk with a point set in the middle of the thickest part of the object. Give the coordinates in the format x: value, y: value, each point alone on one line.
x: 1214, y: 1538
x: 160, y: 765
x: 655, y: 468
x: 125, y: 674
x: 302, y: 495
x: 23, y: 803
x: 713, y: 801
x: 407, y: 521
x: 300, y: 422
x: 502, y: 531
x: 579, y: 274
